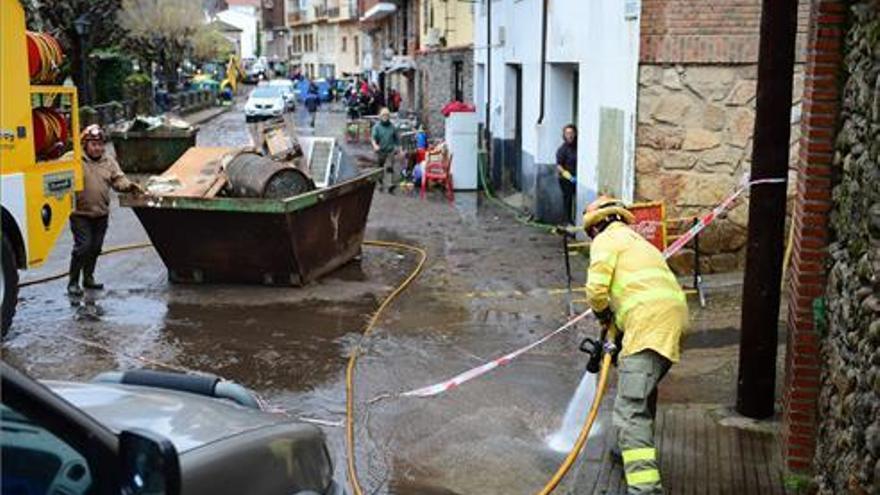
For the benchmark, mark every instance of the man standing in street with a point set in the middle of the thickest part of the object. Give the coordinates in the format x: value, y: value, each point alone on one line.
x: 88, y: 222
x: 385, y: 142
x: 312, y: 102
x: 630, y: 286
x: 566, y: 167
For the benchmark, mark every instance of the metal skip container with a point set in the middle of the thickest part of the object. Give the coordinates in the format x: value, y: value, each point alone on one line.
x: 152, y: 151
x: 273, y: 241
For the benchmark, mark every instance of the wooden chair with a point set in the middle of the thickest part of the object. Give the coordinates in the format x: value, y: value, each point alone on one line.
x: 437, y: 168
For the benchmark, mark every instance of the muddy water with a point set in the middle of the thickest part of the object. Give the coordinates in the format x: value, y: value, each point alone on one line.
x: 291, y: 345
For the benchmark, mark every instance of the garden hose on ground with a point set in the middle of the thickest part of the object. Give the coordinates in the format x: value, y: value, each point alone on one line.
x: 115, y: 249
x: 349, y: 374
x: 352, y: 362
x: 518, y: 215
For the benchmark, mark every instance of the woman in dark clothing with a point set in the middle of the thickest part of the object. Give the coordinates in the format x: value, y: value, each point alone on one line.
x: 566, y: 168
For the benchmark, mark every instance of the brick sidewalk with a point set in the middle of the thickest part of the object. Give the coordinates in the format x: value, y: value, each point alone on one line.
x: 698, y: 455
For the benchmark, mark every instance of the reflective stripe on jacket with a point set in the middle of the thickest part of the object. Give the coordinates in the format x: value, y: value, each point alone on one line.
x: 629, y: 274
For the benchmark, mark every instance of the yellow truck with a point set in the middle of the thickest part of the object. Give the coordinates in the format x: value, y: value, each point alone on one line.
x: 40, y: 155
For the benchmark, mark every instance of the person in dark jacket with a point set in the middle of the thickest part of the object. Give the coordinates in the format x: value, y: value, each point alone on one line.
x: 312, y: 102
x: 566, y: 168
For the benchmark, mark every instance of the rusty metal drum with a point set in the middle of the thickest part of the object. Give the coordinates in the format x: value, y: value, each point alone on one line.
x: 253, y: 176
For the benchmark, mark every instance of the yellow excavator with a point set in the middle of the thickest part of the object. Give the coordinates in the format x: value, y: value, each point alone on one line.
x: 234, y: 74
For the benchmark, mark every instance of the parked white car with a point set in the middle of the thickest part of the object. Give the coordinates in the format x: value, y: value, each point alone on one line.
x: 287, y: 90
x: 264, y: 102
x: 255, y: 71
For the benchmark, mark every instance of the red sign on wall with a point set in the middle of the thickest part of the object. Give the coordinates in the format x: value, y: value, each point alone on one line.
x: 650, y: 222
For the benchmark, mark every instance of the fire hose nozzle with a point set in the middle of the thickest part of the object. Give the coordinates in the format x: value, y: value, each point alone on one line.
x: 594, y: 349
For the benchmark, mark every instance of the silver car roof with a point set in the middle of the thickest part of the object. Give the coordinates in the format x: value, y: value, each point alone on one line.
x: 187, y: 420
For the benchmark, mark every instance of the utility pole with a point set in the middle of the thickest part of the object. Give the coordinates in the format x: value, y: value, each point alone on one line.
x: 761, y: 287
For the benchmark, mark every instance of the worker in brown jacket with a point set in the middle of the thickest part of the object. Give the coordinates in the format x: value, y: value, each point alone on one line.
x: 88, y: 222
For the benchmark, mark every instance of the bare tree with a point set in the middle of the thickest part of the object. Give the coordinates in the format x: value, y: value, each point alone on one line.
x: 209, y: 44
x: 161, y: 31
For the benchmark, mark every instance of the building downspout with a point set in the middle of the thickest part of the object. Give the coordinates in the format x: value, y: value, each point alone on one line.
x: 544, y: 6
x: 488, y: 76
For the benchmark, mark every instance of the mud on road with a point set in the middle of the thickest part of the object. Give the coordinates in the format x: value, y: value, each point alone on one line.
x: 481, y: 295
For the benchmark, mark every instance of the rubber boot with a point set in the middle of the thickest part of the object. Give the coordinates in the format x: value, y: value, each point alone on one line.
x: 73, y: 288
x: 89, y: 274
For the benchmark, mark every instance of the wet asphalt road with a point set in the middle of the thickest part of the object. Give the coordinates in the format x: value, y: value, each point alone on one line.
x: 291, y: 344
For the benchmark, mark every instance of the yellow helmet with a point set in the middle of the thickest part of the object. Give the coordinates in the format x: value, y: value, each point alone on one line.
x: 602, y: 208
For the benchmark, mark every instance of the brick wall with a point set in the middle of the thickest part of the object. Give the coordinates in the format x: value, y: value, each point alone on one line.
x: 811, y: 213
x: 684, y: 31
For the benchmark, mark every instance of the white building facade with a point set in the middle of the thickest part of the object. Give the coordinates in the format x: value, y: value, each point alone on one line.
x: 245, y: 18
x: 326, y: 39
x: 589, y: 54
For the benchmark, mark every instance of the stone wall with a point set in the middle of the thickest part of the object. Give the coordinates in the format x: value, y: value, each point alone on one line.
x: 694, y: 145
x: 436, y: 87
x: 848, y: 451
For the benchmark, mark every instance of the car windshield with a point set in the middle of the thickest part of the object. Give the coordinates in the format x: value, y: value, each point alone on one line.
x: 280, y: 83
x: 266, y: 92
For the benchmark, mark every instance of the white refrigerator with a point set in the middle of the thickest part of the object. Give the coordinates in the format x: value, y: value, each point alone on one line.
x: 461, y: 137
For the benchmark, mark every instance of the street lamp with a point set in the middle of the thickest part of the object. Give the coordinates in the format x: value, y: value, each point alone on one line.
x: 81, y: 25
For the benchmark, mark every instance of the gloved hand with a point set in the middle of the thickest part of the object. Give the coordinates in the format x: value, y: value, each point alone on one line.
x: 596, y: 348
x: 618, y: 345
x: 605, y: 317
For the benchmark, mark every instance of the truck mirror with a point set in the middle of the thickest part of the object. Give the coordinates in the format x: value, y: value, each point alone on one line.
x: 149, y: 464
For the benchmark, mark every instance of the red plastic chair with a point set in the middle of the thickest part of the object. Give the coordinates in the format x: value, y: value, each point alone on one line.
x: 438, y: 169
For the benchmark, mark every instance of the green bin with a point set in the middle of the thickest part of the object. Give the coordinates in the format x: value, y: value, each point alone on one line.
x: 151, y: 152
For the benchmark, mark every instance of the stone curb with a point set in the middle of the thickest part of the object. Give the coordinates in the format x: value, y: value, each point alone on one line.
x: 210, y: 116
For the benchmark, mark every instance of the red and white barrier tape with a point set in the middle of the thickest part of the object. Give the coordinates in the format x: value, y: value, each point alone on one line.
x: 712, y: 215
x: 673, y: 248
x: 491, y: 365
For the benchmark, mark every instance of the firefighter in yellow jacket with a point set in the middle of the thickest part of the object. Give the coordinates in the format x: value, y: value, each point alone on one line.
x: 630, y: 285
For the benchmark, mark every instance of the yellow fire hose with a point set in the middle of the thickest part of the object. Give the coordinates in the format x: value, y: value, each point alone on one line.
x: 349, y: 374
x: 591, y: 418
x: 115, y: 249
x: 352, y: 362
